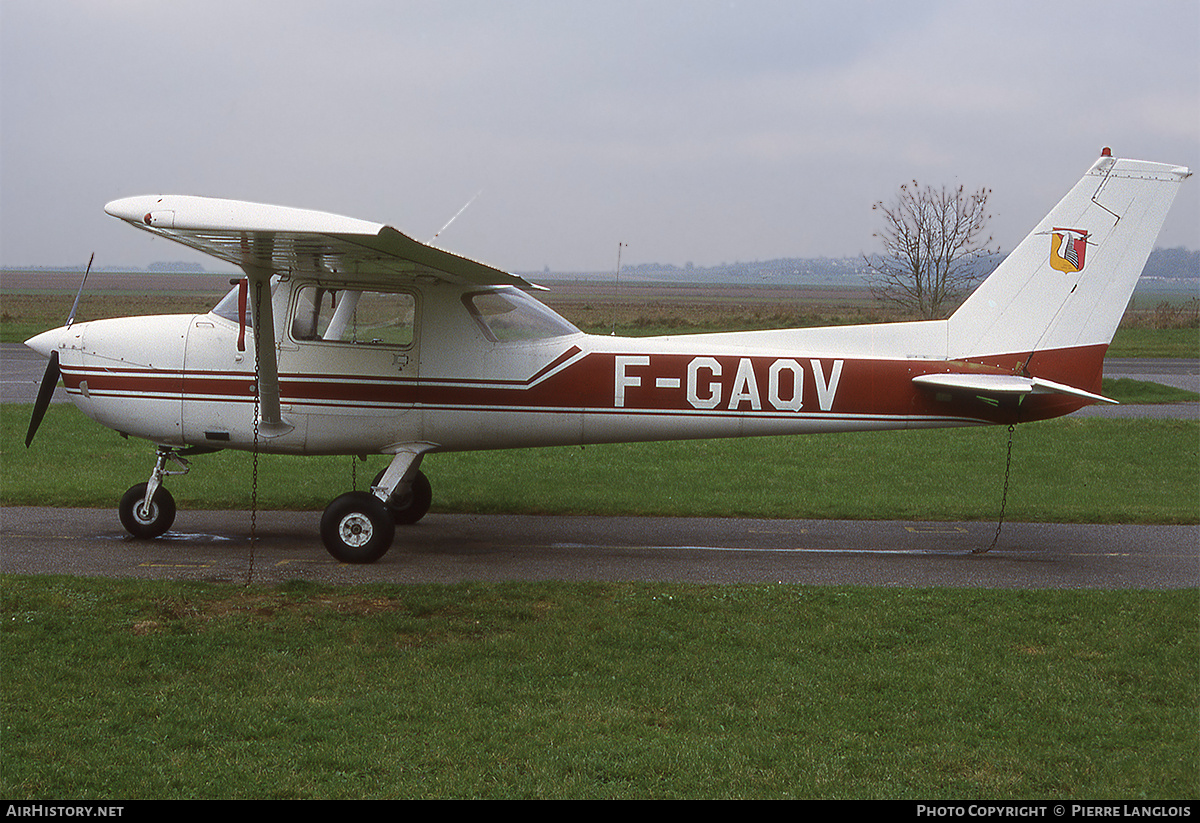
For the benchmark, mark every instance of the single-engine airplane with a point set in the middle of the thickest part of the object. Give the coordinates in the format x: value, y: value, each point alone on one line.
x: 348, y: 337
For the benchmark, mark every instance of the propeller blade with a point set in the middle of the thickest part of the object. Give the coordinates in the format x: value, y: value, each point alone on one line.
x: 45, y: 392
x: 79, y: 294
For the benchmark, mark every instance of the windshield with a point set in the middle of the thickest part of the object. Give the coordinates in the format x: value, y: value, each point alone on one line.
x: 228, y: 307
x: 510, y: 314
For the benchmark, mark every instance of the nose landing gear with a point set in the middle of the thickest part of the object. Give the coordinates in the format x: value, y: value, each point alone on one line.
x: 147, y: 510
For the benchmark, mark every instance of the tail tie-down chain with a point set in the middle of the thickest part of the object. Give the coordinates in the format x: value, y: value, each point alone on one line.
x: 1004, y: 496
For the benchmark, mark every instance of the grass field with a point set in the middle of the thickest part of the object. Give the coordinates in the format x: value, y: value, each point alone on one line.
x: 1086, y: 470
x: 117, y: 689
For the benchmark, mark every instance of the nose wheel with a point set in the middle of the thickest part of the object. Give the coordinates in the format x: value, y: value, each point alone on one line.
x: 147, y: 510
x: 143, y: 520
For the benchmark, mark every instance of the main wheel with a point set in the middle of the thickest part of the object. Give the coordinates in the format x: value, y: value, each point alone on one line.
x: 408, y: 508
x: 151, y: 524
x: 357, y: 528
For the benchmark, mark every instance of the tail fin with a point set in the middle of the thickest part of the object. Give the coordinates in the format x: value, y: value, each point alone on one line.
x: 1067, y: 284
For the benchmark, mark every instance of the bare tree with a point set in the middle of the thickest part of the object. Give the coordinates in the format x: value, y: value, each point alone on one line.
x: 935, y: 247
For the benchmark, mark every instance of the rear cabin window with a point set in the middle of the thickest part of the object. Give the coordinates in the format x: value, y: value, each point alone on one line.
x: 511, y: 314
x: 353, y: 316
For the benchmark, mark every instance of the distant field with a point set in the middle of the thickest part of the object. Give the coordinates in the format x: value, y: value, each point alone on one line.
x: 33, y: 301
x: 1156, y: 325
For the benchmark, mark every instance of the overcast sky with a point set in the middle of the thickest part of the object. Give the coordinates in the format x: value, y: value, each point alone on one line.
x: 706, y: 131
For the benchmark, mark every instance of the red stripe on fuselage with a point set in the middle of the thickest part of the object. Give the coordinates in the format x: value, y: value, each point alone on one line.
x: 604, y: 382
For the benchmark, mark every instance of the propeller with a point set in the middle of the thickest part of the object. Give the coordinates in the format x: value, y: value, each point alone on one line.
x: 50, y: 378
x: 45, y: 392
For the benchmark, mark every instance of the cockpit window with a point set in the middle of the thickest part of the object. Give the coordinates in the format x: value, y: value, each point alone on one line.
x: 510, y: 314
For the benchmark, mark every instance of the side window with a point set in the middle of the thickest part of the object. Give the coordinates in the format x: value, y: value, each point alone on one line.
x: 508, y: 314
x: 352, y: 316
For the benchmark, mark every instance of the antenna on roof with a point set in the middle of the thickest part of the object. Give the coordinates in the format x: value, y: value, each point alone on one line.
x: 455, y: 217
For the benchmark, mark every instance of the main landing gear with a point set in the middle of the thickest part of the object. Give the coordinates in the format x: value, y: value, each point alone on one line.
x: 358, y: 527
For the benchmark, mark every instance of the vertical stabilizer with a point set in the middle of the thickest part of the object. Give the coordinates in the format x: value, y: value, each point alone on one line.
x: 1067, y: 284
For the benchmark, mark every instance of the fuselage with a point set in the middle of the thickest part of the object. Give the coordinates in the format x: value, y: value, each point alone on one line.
x: 466, y: 368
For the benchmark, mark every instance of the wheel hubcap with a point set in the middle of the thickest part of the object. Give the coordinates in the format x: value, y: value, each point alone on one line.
x: 145, y: 516
x: 355, y: 530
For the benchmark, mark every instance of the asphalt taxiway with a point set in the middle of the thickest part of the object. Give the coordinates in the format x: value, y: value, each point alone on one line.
x: 445, y: 548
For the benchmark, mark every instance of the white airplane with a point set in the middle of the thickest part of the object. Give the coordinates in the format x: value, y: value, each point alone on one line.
x: 348, y: 337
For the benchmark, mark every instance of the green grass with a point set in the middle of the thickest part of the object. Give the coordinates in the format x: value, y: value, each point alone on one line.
x: 120, y: 689
x: 1142, y: 392
x: 1071, y: 470
x: 1143, y: 342
x: 117, y: 689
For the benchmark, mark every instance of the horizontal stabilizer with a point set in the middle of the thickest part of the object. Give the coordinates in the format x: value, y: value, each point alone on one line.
x: 1003, y: 385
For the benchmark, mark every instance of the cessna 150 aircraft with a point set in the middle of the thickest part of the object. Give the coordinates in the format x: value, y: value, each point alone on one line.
x: 348, y: 337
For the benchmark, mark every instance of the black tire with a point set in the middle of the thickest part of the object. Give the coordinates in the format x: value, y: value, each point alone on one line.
x: 156, y: 523
x: 357, y: 528
x: 407, y: 509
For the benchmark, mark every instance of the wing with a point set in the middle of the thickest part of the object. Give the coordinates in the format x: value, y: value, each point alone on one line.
x: 267, y: 240
x: 285, y: 240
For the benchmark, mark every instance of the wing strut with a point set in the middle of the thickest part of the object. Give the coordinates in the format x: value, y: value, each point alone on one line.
x: 266, y: 365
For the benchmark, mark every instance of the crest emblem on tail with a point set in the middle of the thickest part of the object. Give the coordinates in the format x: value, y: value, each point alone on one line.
x: 1067, y: 249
